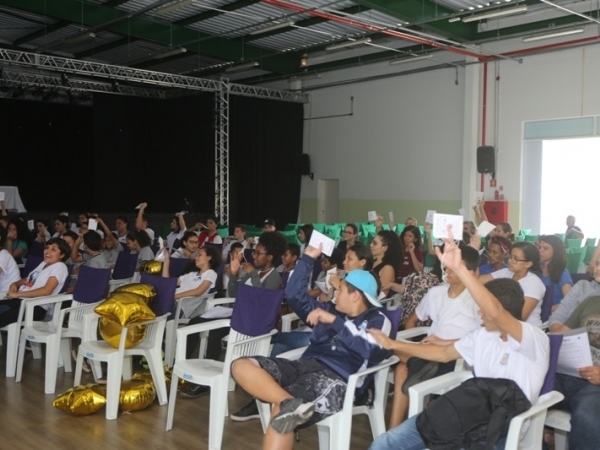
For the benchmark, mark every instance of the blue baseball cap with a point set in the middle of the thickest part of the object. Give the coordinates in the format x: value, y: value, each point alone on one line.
x: 365, y: 282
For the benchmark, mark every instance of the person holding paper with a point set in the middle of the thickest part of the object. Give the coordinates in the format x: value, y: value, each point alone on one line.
x: 335, y: 261
x: 306, y: 391
x: 412, y: 257
x: 141, y: 221
x: 523, y: 261
x: 177, y: 229
x: 505, y: 347
x: 582, y: 393
x: 387, y: 255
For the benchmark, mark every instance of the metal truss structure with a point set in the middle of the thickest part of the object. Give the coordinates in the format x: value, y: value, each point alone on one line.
x: 222, y: 153
x: 50, y: 77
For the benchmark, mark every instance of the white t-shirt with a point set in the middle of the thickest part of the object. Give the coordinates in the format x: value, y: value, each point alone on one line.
x: 525, y: 362
x: 150, y: 233
x: 10, y: 272
x: 532, y: 287
x: 452, y: 317
x: 172, y: 237
x: 191, y: 281
x: 40, y: 276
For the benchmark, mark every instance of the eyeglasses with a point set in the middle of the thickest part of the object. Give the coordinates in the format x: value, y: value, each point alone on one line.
x: 193, y: 242
x: 515, y: 259
x: 259, y: 253
x: 347, y: 232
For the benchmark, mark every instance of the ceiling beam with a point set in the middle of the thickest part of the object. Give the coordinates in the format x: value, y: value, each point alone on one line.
x: 212, y: 13
x: 41, y: 32
x: 540, y: 26
x: 155, y: 31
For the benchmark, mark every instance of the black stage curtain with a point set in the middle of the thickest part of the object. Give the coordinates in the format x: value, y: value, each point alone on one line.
x: 265, y: 139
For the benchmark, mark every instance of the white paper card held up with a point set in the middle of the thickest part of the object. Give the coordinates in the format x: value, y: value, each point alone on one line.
x: 92, y: 224
x: 372, y: 215
x: 317, y: 238
x: 478, y: 197
x: 391, y: 214
x: 1, y: 196
x: 138, y: 206
x: 485, y: 228
x: 441, y: 222
x: 462, y: 212
x: 30, y: 225
x: 574, y: 352
x: 429, y: 216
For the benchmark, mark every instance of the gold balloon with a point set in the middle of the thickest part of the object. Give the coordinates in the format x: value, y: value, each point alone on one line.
x: 147, y: 376
x: 81, y: 400
x: 136, y: 395
x: 125, y: 308
x: 145, y: 290
x: 111, y: 333
x: 151, y: 267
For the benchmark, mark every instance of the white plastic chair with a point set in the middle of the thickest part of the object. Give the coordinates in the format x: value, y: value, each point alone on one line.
x: 215, y: 374
x: 335, y: 431
x: 536, y: 415
x: 178, y: 321
x: 210, y: 304
x: 561, y: 422
x: 48, y: 333
x: 119, y: 361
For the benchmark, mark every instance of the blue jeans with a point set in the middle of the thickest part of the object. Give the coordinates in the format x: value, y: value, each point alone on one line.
x: 289, y: 340
x: 407, y: 437
x: 582, y: 400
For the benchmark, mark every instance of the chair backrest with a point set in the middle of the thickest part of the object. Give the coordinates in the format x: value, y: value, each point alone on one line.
x: 548, y: 302
x: 177, y: 266
x: 255, y: 310
x: 32, y: 262
x: 124, y: 266
x: 394, y: 315
x: 36, y: 249
x: 67, y: 281
x: 165, y: 293
x: 92, y: 284
x: 249, y: 255
x: 555, y: 343
x: 176, y: 244
x: 577, y: 277
x: 219, y: 283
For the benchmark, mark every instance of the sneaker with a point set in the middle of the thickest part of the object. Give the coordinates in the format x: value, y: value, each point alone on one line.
x: 248, y: 412
x: 418, y: 370
x: 194, y: 391
x: 293, y: 412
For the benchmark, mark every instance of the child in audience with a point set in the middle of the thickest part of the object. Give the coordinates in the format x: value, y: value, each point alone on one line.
x: 9, y: 272
x: 122, y: 229
x: 189, y: 246
x: 387, y: 256
x: 327, y: 263
x: 503, y: 229
x: 43, y: 234
x: 523, y: 262
x: 454, y: 314
x: 239, y: 236
x: 92, y: 255
x: 177, y: 229
x: 61, y: 224
x: 17, y: 240
x: 70, y: 237
x: 110, y: 243
x: 138, y: 243
x: 304, y: 234
x: 498, y: 250
x: 359, y: 256
x: 349, y: 237
x: 412, y: 256
x: 209, y: 235
x: 141, y: 222
x: 553, y: 263
x: 288, y: 262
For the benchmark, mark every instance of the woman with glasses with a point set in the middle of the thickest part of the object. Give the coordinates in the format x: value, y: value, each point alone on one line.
x: 189, y: 246
x: 349, y: 237
x: 523, y: 261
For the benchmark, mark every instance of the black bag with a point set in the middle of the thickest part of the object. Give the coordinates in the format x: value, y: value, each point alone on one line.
x: 480, y: 409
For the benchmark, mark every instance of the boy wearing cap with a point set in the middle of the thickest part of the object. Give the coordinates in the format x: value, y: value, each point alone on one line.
x: 312, y: 388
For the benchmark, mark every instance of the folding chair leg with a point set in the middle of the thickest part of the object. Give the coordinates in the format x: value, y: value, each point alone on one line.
x: 65, y: 355
x: 36, y: 349
x: 12, y: 346
x: 20, y: 358
x: 216, y: 422
x: 158, y: 376
x: 78, y: 369
x: 172, y: 399
x: 113, y: 387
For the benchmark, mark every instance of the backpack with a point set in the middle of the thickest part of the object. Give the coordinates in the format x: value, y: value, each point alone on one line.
x: 480, y: 409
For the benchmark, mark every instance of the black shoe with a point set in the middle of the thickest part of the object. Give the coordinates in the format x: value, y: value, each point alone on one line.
x: 194, y: 391
x: 248, y: 412
x: 418, y: 370
x: 293, y: 412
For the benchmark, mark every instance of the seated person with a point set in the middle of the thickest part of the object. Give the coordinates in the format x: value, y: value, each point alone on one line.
x: 306, y: 391
x: 209, y: 235
x: 268, y: 226
x: 138, y: 243
x: 9, y: 271
x: 523, y: 261
x: 110, y: 243
x: 553, y: 265
x: 304, y: 235
x: 17, y: 240
x: 580, y: 308
x: 61, y: 225
x: 4, y: 219
x: 262, y: 274
x: 92, y: 255
x: 70, y: 237
x: 454, y: 314
x: 573, y: 231
x: 239, y: 236
x: 335, y: 261
x: 141, y: 222
x: 498, y: 250
x: 122, y: 229
x: 46, y: 279
x: 349, y: 237
x: 288, y: 262
x: 189, y: 246
x: 43, y: 234
x: 505, y: 347
x: 197, y: 282
x: 387, y: 257
x: 412, y: 255
x: 177, y: 229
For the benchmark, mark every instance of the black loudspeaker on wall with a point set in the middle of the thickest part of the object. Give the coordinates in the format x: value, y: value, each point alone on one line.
x: 486, y: 159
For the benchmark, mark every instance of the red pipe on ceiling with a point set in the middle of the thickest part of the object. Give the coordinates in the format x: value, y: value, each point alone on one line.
x: 374, y: 29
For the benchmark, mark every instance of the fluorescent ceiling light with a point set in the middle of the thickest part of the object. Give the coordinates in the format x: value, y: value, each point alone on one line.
x: 554, y: 34
x: 174, y: 7
x: 454, y: 19
x: 499, y: 13
x: 242, y: 67
x: 79, y: 39
x: 393, y: 62
x: 348, y: 44
x: 273, y: 27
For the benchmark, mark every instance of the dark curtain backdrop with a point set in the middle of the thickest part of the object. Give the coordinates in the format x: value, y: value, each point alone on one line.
x: 265, y: 139
x: 125, y: 150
